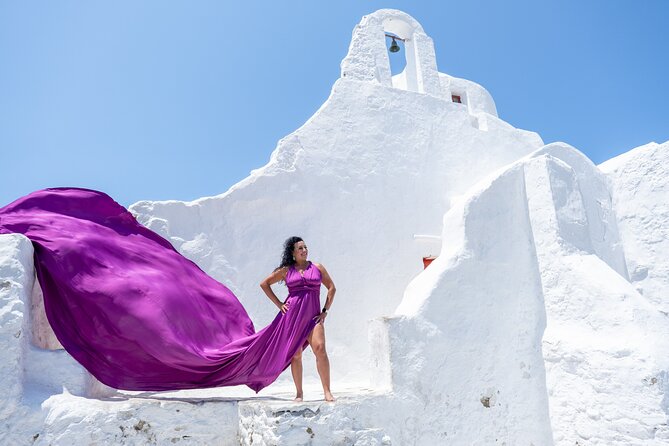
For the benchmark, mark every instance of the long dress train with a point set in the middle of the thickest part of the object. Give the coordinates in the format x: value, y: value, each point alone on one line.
x: 137, y: 314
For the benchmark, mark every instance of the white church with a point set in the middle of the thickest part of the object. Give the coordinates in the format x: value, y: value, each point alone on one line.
x: 544, y: 318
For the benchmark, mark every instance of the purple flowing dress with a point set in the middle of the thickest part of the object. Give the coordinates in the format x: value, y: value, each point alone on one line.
x: 137, y: 314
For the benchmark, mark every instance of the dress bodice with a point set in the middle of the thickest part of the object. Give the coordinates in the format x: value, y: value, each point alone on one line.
x: 310, y: 280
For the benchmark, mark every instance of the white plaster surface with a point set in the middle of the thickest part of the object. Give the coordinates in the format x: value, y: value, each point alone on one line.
x: 374, y: 166
x: 543, y: 320
x: 604, y: 346
x: 16, y: 281
x: 476, y: 317
x: 640, y: 188
x: 473, y: 95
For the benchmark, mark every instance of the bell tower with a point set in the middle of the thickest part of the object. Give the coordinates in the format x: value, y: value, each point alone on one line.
x: 368, y: 57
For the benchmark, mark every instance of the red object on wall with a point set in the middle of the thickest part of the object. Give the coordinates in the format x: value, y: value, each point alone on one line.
x: 427, y: 260
x: 456, y: 98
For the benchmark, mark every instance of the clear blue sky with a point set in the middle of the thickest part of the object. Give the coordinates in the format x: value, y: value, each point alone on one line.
x: 177, y: 100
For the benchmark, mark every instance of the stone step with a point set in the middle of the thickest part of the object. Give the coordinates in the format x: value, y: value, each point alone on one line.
x: 193, y: 418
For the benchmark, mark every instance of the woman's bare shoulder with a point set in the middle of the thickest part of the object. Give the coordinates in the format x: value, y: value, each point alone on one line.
x: 278, y: 274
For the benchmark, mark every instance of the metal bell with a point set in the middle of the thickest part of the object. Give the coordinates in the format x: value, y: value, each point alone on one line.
x: 394, y: 47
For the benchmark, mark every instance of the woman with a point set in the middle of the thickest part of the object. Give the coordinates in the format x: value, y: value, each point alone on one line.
x: 138, y: 315
x: 303, y: 279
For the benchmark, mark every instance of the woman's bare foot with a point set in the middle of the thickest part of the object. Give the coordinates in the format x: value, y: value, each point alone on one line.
x: 328, y: 397
x: 298, y: 398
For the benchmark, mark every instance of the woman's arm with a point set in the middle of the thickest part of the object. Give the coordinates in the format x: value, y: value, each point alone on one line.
x: 329, y: 284
x: 266, y: 285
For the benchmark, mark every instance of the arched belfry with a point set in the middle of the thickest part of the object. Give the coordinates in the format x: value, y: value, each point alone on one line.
x: 367, y: 57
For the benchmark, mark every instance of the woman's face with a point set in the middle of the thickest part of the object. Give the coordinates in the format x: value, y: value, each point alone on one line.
x: 300, y: 252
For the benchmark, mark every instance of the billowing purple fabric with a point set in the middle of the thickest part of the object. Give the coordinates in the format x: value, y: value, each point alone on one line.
x: 136, y: 313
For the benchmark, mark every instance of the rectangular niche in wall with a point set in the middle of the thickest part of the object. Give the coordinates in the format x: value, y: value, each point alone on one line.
x: 456, y: 98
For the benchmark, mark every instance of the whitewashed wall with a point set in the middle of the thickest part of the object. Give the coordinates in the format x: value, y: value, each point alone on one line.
x: 640, y: 188
x: 374, y: 166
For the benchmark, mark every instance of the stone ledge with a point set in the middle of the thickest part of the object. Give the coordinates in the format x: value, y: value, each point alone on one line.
x: 196, y: 419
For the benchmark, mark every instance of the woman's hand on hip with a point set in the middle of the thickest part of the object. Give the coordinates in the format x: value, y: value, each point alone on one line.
x: 320, y: 318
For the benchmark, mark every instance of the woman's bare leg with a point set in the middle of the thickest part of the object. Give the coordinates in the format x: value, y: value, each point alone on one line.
x: 317, y: 342
x: 296, y: 370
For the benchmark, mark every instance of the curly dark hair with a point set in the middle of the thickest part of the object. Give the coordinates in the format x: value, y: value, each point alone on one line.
x: 288, y: 247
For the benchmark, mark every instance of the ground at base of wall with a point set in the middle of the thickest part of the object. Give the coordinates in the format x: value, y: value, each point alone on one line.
x: 170, y: 418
